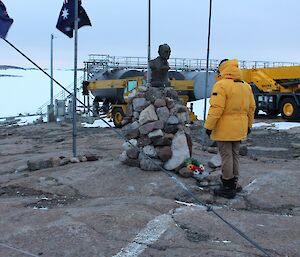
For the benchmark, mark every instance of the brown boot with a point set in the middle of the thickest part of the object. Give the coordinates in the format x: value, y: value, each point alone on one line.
x: 238, y: 187
x: 227, y: 189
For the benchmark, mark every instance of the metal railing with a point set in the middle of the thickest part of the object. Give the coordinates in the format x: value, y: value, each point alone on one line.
x: 62, y: 95
x: 100, y: 61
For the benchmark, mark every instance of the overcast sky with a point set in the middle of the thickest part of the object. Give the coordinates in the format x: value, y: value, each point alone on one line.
x: 244, y: 29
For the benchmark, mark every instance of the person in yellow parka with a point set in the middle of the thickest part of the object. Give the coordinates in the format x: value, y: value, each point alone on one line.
x: 229, y: 121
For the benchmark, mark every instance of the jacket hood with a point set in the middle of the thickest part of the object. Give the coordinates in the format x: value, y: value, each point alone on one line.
x: 230, y: 70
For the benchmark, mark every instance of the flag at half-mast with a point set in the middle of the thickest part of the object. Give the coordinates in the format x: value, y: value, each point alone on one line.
x: 66, y: 18
x: 5, y: 21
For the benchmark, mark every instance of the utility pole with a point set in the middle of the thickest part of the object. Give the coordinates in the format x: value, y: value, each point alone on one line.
x: 51, y: 116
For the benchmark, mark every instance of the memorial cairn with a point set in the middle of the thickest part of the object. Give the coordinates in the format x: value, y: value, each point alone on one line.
x: 156, y: 125
x: 155, y: 122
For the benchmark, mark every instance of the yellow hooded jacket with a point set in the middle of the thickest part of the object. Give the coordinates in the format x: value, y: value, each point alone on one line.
x: 232, y: 105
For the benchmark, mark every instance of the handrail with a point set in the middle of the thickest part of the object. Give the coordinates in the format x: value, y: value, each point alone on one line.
x: 102, y: 61
x: 60, y: 95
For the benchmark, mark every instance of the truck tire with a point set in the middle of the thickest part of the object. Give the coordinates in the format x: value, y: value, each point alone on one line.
x: 289, y: 109
x: 118, y: 115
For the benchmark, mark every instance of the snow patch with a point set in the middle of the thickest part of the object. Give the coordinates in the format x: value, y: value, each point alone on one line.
x: 277, y: 125
x: 98, y: 124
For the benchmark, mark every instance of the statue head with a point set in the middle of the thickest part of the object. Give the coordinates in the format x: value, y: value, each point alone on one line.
x: 164, y: 51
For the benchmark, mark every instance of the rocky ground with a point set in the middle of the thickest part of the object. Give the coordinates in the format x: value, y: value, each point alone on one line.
x: 103, y: 208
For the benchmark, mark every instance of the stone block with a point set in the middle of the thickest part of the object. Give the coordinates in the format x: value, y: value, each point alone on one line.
x: 180, y: 151
x: 91, y: 157
x: 150, y: 151
x: 144, y: 140
x: 163, y: 113
x: 64, y: 161
x: 132, y: 153
x: 148, y: 127
x: 150, y: 164
x: 171, y: 129
x: 139, y: 104
x: 38, y: 165
x: 156, y: 134
x: 172, y: 120
x: 159, y: 103
x: 148, y: 115
x: 164, y: 153
x: 162, y: 141
x: 131, y: 130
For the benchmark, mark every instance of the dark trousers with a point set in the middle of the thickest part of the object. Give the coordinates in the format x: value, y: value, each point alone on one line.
x: 229, y: 151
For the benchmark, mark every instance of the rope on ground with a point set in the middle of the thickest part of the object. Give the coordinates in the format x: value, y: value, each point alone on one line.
x: 18, y: 250
x: 191, y: 194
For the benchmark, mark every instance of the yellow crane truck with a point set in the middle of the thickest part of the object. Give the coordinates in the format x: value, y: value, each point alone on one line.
x: 276, y: 86
x: 276, y: 90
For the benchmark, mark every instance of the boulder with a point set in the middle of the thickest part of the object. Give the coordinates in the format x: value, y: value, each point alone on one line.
x: 38, y: 165
x: 164, y: 153
x: 150, y: 151
x: 148, y: 115
x: 129, y: 110
x: 172, y: 120
x: 130, y: 144
x: 139, y: 104
x: 156, y: 134
x: 148, y: 127
x: 159, y: 103
x: 161, y: 141
x: 130, y: 162
x: 131, y: 130
x: 215, y: 161
x: 150, y: 165
x: 183, y: 117
x: 171, y: 129
x: 132, y: 153
x: 163, y: 113
x: 170, y: 103
x: 144, y: 140
x: 91, y: 157
x: 180, y: 151
x: 64, y: 161
x: 55, y: 161
x: 153, y: 93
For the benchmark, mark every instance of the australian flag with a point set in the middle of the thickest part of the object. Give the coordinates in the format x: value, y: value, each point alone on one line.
x: 5, y: 21
x: 66, y: 18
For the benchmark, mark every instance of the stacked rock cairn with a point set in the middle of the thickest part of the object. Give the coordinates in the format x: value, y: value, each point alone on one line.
x: 155, y: 123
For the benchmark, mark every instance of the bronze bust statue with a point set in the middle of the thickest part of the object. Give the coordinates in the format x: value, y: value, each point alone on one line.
x: 160, y: 66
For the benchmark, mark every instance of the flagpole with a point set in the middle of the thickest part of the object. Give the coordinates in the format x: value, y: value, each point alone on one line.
x: 207, y: 60
x: 149, y: 42
x: 51, y: 117
x: 75, y: 78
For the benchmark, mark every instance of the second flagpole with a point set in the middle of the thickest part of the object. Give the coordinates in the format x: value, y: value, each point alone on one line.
x: 75, y: 78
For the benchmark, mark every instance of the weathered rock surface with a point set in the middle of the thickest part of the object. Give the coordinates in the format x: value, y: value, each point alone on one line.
x: 215, y: 161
